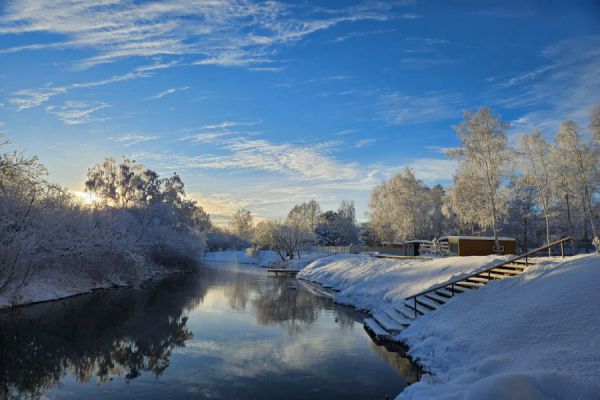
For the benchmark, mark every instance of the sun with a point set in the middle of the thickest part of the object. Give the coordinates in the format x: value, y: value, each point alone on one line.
x: 87, y: 198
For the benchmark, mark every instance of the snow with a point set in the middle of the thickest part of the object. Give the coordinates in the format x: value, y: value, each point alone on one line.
x: 265, y: 258
x: 534, y: 336
x: 370, y: 283
x: 504, y: 239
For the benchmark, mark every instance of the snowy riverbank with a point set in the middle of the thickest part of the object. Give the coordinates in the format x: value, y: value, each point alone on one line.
x: 264, y: 258
x: 62, y: 284
x: 533, y: 336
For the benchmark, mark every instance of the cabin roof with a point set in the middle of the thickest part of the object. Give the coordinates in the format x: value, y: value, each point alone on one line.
x: 477, y: 238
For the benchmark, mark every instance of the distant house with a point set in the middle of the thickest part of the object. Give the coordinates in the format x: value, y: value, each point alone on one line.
x: 477, y: 245
x: 399, y: 248
x: 419, y: 244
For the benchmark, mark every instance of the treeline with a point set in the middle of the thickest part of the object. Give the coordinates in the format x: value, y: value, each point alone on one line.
x: 138, y: 223
x: 535, y: 191
x: 306, y: 224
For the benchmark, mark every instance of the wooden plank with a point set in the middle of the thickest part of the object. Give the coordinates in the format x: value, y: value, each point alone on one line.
x: 387, y: 323
x: 396, y: 316
x: 375, y: 328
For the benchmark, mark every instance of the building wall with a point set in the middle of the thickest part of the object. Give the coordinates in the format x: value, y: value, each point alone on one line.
x: 473, y: 247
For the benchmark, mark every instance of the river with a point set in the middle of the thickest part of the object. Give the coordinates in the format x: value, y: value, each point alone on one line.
x: 225, y: 332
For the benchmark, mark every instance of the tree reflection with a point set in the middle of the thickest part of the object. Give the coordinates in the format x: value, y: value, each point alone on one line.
x: 102, y: 335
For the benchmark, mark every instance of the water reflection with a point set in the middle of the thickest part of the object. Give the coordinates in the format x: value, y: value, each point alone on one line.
x: 213, y: 333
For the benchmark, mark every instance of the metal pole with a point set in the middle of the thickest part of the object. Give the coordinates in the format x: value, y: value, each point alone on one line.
x: 452, y: 290
x: 562, y: 250
x: 415, y: 307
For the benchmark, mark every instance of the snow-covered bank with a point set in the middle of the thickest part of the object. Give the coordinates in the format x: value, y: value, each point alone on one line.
x: 369, y: 283
x: 534, y: 336
x: 264, y: 258
x: 62, y: 284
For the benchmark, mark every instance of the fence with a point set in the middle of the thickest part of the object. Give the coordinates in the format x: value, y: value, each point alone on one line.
x: 399, y: 251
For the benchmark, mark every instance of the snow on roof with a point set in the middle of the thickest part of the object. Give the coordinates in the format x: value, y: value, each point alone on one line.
x: 476, y: 238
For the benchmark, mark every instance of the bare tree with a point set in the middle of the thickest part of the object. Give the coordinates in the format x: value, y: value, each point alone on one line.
x: 241, y: 223
x: 583, y: 156
x: 484, y: 158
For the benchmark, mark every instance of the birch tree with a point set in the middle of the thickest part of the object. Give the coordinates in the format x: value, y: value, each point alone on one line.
x: 400, y: 208
x: 536, y: 169
x: 485, y: 159
x: 595, y: 123
x: 305, y: 215
x: 583, y: 157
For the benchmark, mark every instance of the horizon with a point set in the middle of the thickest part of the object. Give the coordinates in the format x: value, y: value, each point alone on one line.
x: 214, y: 91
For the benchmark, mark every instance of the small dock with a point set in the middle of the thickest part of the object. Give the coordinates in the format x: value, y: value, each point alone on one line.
x: 284, y: 271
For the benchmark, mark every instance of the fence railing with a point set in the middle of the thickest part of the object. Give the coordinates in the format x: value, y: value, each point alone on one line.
x: 488, y: 270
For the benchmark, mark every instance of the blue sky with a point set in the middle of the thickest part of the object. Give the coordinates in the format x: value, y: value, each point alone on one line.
x: 264, y: 105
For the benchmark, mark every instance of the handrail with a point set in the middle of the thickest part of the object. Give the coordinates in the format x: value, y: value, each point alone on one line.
x: 524, y: 255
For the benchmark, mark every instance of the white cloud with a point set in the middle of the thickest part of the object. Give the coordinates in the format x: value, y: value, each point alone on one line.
x: 30, y: 98
x: 365, y: 142
x: 565, y: 86
x: 76, y: 112
x: 134, y: 138
x: 397, y: 108
x: 168, y: 92
x: 237, y: 33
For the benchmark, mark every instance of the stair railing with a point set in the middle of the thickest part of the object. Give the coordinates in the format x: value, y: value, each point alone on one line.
x: 560, y: 242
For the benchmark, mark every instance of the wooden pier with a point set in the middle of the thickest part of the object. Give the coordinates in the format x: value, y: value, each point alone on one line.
x: 284, y: 271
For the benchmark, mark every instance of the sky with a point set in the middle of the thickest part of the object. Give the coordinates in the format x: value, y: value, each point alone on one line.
x: 264, y: 105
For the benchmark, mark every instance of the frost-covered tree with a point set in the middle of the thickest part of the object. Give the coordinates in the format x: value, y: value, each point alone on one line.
x: 305, y: 215
x: 485, y: 165
x: 595, y: 122
x: 537, y: 171
x: 583, y: 157
x: 241, y: 224
x: 521, y: 213
x: 282, y: 237
x: 346, y: 227
x: 401, y: 208
x: 437, y: 218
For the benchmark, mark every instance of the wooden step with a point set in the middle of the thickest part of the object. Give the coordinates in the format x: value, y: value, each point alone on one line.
x: 514, y: 266
x: 468, y: 285
x: 478, y: 279
x: 436, y: 298
x: 498, y: 275
x: 432, y: 305
x: 373, y: 327
x: 397, y: 316
x: 447, y: 294
x: 506, y: 271
x: 387, y: 323
x: 409, y: 314
x: 420, y: 309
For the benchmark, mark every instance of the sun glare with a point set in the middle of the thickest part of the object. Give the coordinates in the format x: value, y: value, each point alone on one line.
x: 87, y: 198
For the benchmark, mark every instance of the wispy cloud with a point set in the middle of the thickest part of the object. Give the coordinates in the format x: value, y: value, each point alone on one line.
x: 30, y: 98
x: 238, y: 33
x: 130, y: 139
x: 76, y: 112
x: 365, y: 142
x: 168, y: 92
x: 397, y: 108
x: 565, y: 86
x: 353, y: 35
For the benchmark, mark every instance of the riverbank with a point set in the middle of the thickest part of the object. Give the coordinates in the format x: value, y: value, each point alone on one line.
x: 534, y: 335
x: 64, y: 284
x: 263, y: 258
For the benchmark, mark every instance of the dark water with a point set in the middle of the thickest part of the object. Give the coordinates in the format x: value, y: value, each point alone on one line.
x: 217, y: 334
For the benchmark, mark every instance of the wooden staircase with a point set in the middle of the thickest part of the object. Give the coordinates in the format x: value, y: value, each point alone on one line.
x: 392, y: 319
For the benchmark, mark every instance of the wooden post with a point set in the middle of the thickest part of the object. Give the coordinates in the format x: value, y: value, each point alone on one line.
x: 562, y: 250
